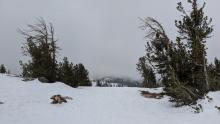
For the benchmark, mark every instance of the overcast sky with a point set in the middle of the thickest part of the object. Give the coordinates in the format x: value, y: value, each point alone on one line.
x: 102, y: 34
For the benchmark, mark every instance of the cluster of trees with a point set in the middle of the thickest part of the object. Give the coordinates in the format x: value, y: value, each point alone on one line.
x: 181, y: 64
x: 41, y: 47
x: 73, y: 75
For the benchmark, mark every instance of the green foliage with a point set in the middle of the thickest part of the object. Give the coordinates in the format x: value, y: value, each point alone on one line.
x: 73, y: 75
x: 157, y: 48
x: 214, y: 75
x: 183, y: 94
x: 195, y: 28
x: 41, y: 48
x: 26, y: 69
x: 82, y: 75
x: 182, y: 64
x: 2, y: 68
x: 66, y: 73
x: 149, y: 79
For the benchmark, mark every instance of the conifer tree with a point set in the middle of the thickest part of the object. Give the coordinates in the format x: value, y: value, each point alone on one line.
x: 2, y: 68
x: 82, y: 75
x: 73, y: 75
x: 147, y: 73
x: 41, y: 47
x: 66, y: 73
x: 182, y: 64
x: 159, y: 50
x: 194, y: 28
x: 214, y: 75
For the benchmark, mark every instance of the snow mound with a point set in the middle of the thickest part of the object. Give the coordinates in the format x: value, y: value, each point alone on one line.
x: 29, y: 103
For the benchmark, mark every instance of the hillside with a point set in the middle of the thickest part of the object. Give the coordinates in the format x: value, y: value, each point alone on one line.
x: 110, y: 81
x: 29, y: 103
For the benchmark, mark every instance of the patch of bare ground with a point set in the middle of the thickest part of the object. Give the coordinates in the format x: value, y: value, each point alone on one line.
x: 148, y: 94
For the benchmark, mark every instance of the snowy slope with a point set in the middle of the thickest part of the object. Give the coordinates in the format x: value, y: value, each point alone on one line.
x: 29, y: 103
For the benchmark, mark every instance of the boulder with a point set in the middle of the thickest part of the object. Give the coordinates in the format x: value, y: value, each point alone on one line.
x: 27, y: 79
x: 43, y: 80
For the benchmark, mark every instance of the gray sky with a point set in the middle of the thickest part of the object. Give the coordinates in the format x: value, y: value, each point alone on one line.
x: 102, y: 34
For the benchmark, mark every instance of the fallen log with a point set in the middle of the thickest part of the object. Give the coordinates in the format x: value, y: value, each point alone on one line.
x: 58, y: 99
x: 151, y: 95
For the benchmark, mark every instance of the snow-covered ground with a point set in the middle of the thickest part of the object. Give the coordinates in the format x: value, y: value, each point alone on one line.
x: 29, y: 103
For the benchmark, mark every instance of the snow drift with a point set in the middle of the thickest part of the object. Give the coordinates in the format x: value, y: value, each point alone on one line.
x: 29, y: 103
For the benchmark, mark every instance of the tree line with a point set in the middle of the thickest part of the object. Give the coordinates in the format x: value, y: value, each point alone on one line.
x: 181, y: 65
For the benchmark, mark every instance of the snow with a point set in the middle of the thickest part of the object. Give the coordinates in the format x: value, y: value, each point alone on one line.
x: 29, y: 103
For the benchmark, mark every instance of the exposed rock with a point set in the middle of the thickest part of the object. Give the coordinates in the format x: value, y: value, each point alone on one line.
x: 43, y: 80
x: 27, y: 79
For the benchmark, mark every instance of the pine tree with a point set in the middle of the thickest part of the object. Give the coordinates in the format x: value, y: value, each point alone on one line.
x: 66, y: 73
x: 82, y: 75
x: 214, y: 75
x: 195, y: 28
x: 182, y: 67
x: 41, y: 47
x: 147, y: 73
x: 73, y: 75
x: 2, y: 68
x: 158, y: 48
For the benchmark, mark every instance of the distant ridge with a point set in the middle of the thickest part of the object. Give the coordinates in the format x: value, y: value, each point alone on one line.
x: 110, y: 81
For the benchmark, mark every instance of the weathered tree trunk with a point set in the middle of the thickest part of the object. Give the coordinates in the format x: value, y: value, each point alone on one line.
x: 205, y: 72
